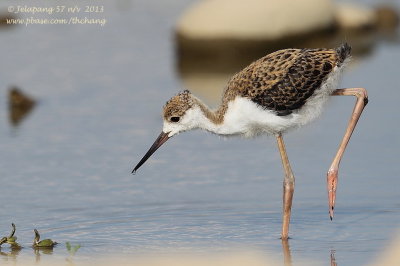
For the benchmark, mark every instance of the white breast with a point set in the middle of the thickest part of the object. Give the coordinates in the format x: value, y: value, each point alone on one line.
x: 246, y: 118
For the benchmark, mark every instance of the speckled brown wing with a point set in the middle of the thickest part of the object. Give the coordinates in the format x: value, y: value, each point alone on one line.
x: 282, y: 81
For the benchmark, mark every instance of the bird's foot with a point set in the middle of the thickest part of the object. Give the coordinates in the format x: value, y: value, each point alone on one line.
x: 332, y: 179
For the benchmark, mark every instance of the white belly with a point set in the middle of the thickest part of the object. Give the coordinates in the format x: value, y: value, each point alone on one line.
x: 248, y: 119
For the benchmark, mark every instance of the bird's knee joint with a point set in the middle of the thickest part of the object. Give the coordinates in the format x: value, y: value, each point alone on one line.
x: 362, y: 93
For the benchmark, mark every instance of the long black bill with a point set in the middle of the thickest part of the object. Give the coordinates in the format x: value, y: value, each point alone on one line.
x: 163, y: 137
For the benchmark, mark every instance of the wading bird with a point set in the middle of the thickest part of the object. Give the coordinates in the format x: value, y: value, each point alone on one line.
x: 279, y: 92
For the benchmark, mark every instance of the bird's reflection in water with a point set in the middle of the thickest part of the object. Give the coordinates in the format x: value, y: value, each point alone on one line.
x: 287, y: 256
x: 333, y: 260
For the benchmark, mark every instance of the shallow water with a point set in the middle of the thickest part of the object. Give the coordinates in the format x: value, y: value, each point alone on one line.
x: 65, y: 169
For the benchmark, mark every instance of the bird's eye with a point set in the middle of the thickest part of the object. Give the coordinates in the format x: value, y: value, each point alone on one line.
x: 175, y: 119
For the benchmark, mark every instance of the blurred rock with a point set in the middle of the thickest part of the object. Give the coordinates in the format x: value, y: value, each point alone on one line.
x: 19, y: 105
x: 254, y: 19
x: 223, y: 29
x: 3, y: 19
x: 357, y: 18
x: 354, y: 17
x: 220, y: 29
x: 387, y: 17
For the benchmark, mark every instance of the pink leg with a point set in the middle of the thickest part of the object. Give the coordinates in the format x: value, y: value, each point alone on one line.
x: 288, y: 188
x: 332, y: 175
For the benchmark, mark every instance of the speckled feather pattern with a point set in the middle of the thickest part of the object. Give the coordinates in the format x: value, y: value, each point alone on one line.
x: 178, y: 105
x: 280, y: 82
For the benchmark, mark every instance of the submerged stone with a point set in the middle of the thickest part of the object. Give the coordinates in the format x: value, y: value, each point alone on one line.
x: 19, y: 105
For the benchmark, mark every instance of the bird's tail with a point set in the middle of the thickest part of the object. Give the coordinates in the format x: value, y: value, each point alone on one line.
x: 343, y: 52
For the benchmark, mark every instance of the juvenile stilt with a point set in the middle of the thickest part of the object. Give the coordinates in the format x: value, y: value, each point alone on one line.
x: 279, y: 92
x: 332, y: 175
x: 288, y: 188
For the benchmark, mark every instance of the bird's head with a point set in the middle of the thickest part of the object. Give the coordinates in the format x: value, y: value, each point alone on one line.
x: 179, y: 114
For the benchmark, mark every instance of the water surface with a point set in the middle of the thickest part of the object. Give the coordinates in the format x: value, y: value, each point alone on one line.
x: 65, y: 169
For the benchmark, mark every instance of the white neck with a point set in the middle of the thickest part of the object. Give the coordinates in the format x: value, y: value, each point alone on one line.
x: 217, y: 122
x: 204, y: 121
